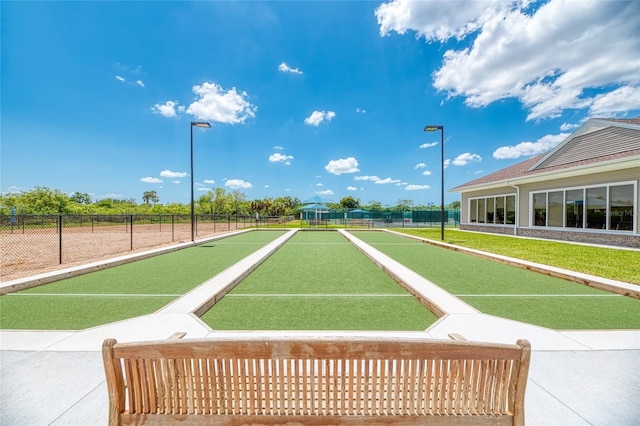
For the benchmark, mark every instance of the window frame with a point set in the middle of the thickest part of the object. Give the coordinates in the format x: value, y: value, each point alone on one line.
x: 585, y: 191
x: 473, y: 208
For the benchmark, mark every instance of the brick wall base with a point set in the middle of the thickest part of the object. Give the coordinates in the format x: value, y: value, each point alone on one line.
x: 613, y: 239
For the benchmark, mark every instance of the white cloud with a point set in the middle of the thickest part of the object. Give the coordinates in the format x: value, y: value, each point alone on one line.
x: 286, y: 68
x: 169, y: 109
x: 140, y: 83
x: 209, y: 181
x: 112, y: 196
x: 343, y: 165
x: 428, y: 145
x: 426, y: 173
x: 550, y: 58
x: 318, y: 117
x: 612, y: 103
x: 170, y: 174
x: 466, y: 158
x: 351, y: 188
x: 120, y: 78
x: 361, y: 110
x: 529, y: 149
x: 280, y: 158
x: 150, y: 179
x: 217, y: 105
x: 237, y: 184
x: 437, y: 22
x: 387, y: 181
x: 416, y: 187
x: 369, y: 178
x: 278, y: 147
x: 325, y: 192
x: 419, y: 166
x: 203, y: 188
x: 566, y: 126
x: 175, y: 181
x: 319, y: 184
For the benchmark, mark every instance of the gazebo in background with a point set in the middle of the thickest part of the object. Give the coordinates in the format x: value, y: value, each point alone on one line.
x: 312, y: 213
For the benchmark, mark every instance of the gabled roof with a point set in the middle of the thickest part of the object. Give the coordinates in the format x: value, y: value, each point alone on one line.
x: 605, y: 144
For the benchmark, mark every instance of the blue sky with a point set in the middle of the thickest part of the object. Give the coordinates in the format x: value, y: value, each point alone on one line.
x: 304, y: 98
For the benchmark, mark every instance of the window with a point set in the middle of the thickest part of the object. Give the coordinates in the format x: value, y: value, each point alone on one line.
x: 511, y: 210
x: 490, y: 210
x: 540, y: 209
x: 481, y: 210
x: 556, y: 209
x: 500, y: 210
x: 597, y: 208
x: 621, y: 208
x: 473, y: 214
x: 575, y: 207
x: 609, y: 207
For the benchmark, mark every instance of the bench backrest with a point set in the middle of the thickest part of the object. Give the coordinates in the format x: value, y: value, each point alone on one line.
x: 265, y: 381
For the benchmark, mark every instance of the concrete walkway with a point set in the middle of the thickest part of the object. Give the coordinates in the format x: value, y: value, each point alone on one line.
x: 576, y: 377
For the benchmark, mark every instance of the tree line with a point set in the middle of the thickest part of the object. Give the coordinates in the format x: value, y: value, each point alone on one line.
x: 44, y: 200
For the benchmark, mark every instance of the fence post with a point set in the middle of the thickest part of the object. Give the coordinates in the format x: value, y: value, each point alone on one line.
x: 131, y: 218
x: 172, y: 227
x: 60, y: 239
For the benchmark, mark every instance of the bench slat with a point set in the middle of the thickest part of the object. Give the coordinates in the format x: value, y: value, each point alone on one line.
x: 317, y: 379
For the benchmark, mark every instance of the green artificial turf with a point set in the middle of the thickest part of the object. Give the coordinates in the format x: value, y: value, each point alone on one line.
x: 317, y: 263
x: 564, y: 313
x: 170, y: 274
x: 468, y: 276
x: 316, y: 313
x: 461, y: 273
x: 72, y: 312
x: 613, y: 263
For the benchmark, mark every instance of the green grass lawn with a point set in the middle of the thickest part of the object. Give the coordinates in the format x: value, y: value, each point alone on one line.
x: 616, y: 264
x: 318, y: 281
x: 156, y: 281
x: 470, y: 277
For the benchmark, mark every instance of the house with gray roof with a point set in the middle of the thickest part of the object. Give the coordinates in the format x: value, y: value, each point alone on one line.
x: 586, y: 189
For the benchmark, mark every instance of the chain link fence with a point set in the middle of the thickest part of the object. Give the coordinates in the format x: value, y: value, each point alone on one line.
x: 359, y: 218
x: 36, y: 242
x: 32, y: 244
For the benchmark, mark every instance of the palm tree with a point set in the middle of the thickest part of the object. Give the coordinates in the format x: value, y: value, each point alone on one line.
x: 150, y: 196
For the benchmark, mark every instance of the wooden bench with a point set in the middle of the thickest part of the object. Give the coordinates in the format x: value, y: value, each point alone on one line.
x: 316, y: 381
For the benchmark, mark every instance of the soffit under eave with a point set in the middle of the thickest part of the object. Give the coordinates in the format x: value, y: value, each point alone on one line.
x: 611, y: 166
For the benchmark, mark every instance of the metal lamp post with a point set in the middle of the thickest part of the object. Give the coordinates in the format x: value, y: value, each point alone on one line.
x: 433, y: 128
x: 204, y: 125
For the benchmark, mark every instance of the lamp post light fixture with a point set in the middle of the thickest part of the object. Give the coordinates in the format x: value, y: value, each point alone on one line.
x: 204, y: 125
x: 433, y: 128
